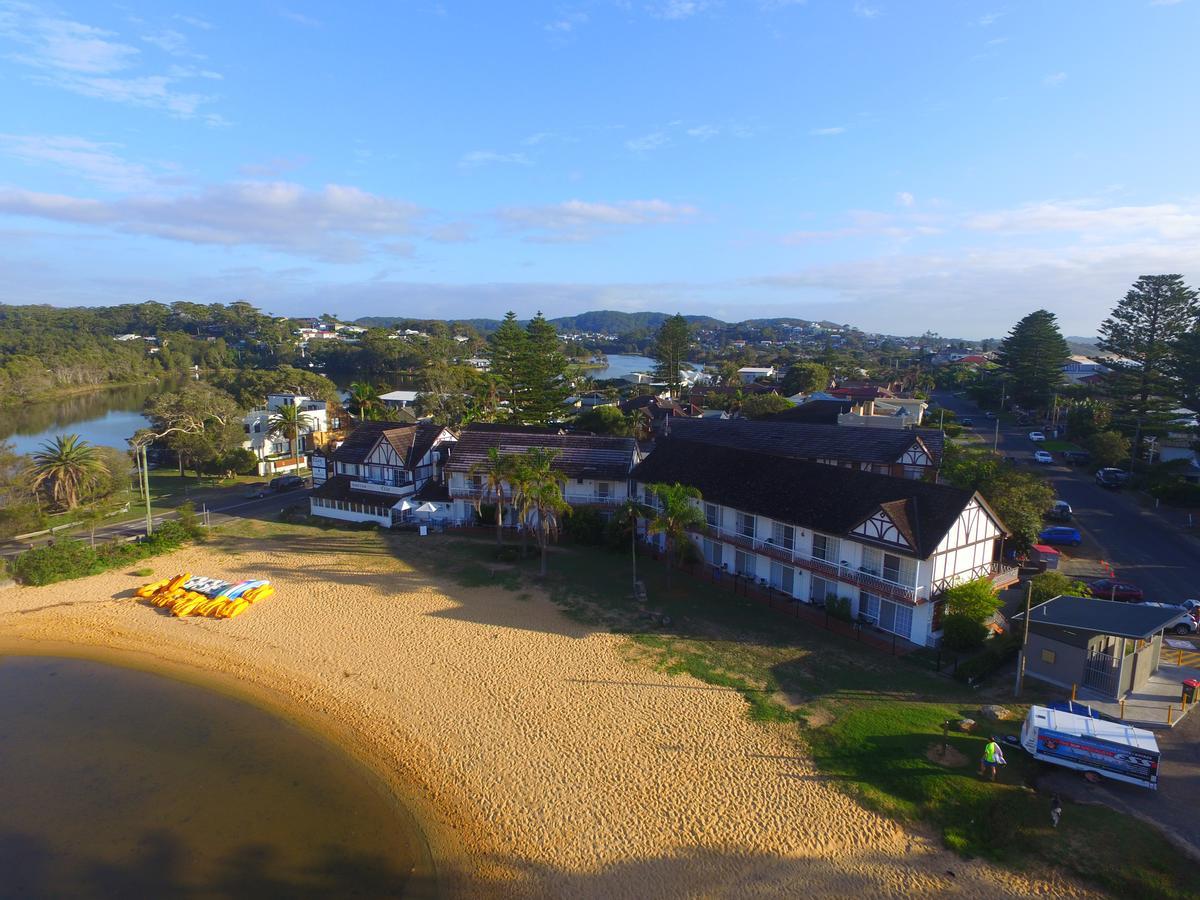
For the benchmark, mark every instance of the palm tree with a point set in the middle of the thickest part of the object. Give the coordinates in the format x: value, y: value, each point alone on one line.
x: 493, y: 472
x: 288, y: 422
x: 540, y: 495
x: 531, y: 475
x: 67, y: 466
x: 675, y: 514
x: 364, y: 401
x: 628, y: 513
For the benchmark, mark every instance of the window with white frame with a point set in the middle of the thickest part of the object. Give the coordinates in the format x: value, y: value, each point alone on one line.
x: 895, y: 618
x: 602, y: 489
x: 826, y: 548
x: 745, y: 525
x: 712, y: 515
x: 783, y: 578
x: 821, y: 589
x: 744, y: 564
x: 783, y: 536
x: 893, y: 567
x: 713, y: 552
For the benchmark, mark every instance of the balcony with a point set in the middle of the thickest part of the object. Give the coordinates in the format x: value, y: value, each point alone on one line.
x: 868, y: 581
x: 1000, y: 575
x: 575, y: 498
x: 381, y: 487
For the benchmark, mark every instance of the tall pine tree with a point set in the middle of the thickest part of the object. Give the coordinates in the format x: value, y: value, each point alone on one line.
x: 544, y: 374
x: 1032, y: 357
x: 670, y: 351
x: 509, y: 351
x: 1142, y: 331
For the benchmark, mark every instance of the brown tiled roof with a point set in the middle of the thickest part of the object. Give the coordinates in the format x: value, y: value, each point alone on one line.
x: 579, y: 455
x: 804, y: 440
x: 812, y: 495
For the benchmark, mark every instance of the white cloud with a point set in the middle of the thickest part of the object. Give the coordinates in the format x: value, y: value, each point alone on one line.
x: 1166, y: 221
x: 863, y: 11
x: 703, y: 132
x: 648, y: 142
x: 194, y: 22
x: 988, y: 19
x: 300, y: 18
x: 336, y: 223
x: 170, y: 41
x: 581, y: 220
x: 1054, y: 79
x: 679, y: 9
x: 827, y: 132
x: 478, y: 158
x: 904, y: 198
x: 94, y: 62
x: 96, y: 162
x: 567, y: 22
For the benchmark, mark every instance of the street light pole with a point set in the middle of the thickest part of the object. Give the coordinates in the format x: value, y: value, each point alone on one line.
x: 1024, y: 640
x: 996, y: 436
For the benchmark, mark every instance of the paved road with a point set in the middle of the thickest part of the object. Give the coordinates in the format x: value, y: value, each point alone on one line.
x: 234, y: 506
x: 1141, y: 545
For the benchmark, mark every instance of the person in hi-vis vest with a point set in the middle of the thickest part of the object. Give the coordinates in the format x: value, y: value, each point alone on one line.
x: 993, y: 758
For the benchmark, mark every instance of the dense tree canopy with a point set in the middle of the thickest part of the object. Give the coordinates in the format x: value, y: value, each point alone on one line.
x: 671, y: 347
x: 1143, y: 331
x: 1032, y: 356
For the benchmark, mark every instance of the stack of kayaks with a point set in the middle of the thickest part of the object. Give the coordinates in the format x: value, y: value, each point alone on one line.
x: 188, y: 596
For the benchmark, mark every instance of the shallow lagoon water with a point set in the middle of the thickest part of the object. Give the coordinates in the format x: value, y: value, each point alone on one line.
x: 120, y: 783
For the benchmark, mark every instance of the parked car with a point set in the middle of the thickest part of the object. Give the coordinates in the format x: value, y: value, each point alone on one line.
x: 1036, y: 436
x: 989, y: 415
x: 1042, y: 457
x: 257, y: 491
x: 1060, y: 512
x: 1116, y: 589
x: 1077, y: 457
x: 286, y: 482
x: 1186, y: 622
x: 1111, y: 478
x: 966, y: 421
x: 1060, y: 534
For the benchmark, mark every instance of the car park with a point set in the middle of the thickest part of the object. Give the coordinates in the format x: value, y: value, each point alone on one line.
x: 1060, y: 512
x: 286, y: 482
x: 1042, y: 457
x: 1116, y: 589
x: 1111, y: 478
x: 1061, y: 534
x: 1037, y: 437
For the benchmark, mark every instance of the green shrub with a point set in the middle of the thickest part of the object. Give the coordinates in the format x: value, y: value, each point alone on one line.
x: 961, y: 632
x: 995, y: 653
x: 840, y: 608
x: 143, y: 572
x: 56, y: 562
x: 585, y: 526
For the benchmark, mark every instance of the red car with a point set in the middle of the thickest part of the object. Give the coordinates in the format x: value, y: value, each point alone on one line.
x: 1115, y: 589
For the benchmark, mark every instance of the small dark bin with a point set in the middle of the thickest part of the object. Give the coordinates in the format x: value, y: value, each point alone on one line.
x: 1189, y: 690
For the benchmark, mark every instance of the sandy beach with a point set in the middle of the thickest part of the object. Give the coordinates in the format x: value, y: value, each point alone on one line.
x: 539, y: 757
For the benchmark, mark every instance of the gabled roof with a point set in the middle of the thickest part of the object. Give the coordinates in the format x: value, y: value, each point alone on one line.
x: 819, y: 411
x: 805, y: 440
x: 579, y: 455
x: 1131, y: 620
x: 813, y: 495
x: 411, y: 442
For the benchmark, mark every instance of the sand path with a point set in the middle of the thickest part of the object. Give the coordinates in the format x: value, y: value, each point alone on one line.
x: 540, y: 761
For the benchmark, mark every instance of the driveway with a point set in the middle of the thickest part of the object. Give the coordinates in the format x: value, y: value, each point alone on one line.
x: 1142, y: 546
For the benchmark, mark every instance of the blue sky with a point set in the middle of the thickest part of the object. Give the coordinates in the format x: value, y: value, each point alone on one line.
x: 947, y: 166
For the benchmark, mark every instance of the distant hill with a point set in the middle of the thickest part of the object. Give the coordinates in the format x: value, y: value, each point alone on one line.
x: 609, y: 321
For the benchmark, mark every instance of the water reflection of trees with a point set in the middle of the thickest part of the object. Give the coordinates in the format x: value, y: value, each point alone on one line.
x: 34, y: 418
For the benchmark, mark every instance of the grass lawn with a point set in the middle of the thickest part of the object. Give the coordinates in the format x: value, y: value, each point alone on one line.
x: 1059, y: 446
x: 870, y: 720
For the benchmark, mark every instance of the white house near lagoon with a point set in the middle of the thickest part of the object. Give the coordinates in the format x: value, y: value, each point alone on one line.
x: 274, y: 451
x: 815, y: 532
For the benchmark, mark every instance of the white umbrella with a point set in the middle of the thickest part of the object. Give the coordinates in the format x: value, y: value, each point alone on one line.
x: 427, y: 507
x: 405, y: 505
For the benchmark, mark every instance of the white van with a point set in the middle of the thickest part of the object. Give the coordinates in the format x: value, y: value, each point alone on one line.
x: 1108, y: 749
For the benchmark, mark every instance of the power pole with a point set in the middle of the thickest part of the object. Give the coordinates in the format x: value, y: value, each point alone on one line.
x: 996, y: 436
x: 1024, y: 641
